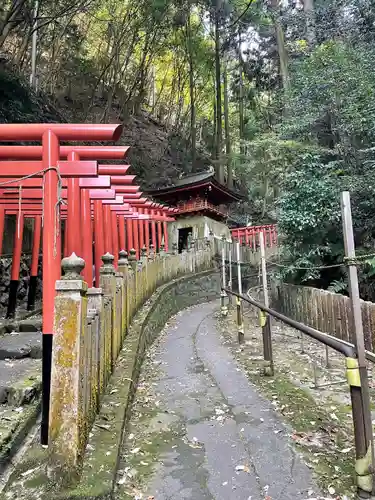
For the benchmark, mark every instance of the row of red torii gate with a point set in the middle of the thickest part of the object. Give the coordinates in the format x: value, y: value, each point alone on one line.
x: 104, y: 211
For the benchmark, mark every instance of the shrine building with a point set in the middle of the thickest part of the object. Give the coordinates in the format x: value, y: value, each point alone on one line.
x: 201, y: 202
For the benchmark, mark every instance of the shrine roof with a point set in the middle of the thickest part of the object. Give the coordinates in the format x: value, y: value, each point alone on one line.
x: 196, y: 181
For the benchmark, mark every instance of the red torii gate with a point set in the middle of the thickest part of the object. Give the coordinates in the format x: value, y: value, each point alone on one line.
x: 50, y: 135
x: 250, y: 235
x: 51, y: 166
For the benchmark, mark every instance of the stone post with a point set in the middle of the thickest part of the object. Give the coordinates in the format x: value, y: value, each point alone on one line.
x: 108, y: 284
x: 174, y: 249
x: 67, y: 429
x: 120, y: 303
x: 123, y: 267
x: 151, y: 255
x: 95, y: 306
x: 133, y: 259
x: 162, y: 250
x: 144, y: 254
x: 123, y: 262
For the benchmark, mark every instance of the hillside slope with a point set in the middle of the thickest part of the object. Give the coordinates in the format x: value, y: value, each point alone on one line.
x: 157, y: 154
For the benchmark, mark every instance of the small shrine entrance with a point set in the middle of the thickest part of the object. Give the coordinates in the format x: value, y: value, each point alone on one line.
x: 183, y: 238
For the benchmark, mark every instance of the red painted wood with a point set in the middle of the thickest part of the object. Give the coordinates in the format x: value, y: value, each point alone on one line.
x: 136, y: 237
x: 17, y: 248
x: 87, y: 238
x: 66, y: 168
x: 99, y: 238
x: 85, y: 152
x: 36, y: 245
x: 115, y: 238
x: 51, y: 230
x: 62, y: 131
x: 73, y: 224
x: 121, y: 232
x: 107, y: 229
x: 129, y: 233
x: 2, y: 222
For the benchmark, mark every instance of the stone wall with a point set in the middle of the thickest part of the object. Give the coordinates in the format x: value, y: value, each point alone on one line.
x: 326, y: 311
x: 201, y: 227
x: 98, y: 475
x: 5, y: 273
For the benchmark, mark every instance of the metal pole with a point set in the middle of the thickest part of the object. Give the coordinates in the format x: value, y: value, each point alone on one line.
x: 357, y: 367
x: 266, y: 322
x: 240, y: 327
x: 33, y: 47
x: 223, y: 309
x: 230, y: 246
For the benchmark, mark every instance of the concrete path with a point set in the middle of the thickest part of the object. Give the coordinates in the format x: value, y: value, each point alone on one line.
x: 237, y: 448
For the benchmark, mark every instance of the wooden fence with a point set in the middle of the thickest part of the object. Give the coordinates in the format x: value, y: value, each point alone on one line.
x: 326, y: 311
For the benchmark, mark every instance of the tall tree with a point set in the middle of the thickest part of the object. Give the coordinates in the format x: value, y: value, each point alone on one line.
x: 309, y: 8
x: 281, y: 46
x: 228, y: 148
x: 219, y: 106
x: 193, y: 129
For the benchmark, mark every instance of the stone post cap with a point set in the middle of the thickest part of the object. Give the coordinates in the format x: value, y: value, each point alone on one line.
x: 72, y: 267
x: 108, y: 267
x: 108, y: 259
x: 132, y: 254
x: 123, y: 258
x: 144, y: 251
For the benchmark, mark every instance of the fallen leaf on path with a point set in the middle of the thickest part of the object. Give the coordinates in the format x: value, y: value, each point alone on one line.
x: 346, y: 450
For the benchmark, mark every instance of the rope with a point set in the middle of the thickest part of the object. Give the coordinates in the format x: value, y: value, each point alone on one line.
x: 317, y: 268
x: 348, y: 261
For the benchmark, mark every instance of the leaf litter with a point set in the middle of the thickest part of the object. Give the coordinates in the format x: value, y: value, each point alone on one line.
x: 323, y: 428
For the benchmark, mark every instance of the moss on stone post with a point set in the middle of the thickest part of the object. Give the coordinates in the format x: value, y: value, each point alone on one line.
x: 123, y: 267
x: 108, y: 285
x: 95, y: 305
x: 151, y: 255
x: 67, y: 426
x: 120, y: 294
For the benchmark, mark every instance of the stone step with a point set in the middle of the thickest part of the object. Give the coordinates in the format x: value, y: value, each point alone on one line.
x: 23, y: 325
x: 20, y: 381
x: 21, y: 345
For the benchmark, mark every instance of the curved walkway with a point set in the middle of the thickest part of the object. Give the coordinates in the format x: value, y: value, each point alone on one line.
x: 233, y: 445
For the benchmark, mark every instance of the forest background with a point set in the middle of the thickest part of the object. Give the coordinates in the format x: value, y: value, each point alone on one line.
x: 276, y: 95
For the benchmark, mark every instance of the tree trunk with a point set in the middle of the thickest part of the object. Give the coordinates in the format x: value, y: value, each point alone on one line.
x: 308, y: 7
x: 281, y: 48
x: 219, y: 125
x: 193, y: 129
x: 240, y: 104
x: 227, y: 131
